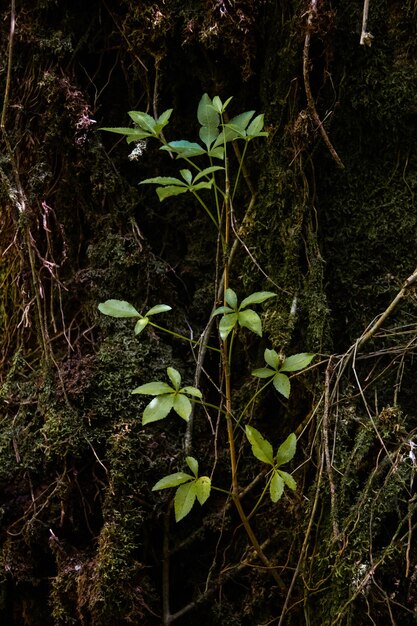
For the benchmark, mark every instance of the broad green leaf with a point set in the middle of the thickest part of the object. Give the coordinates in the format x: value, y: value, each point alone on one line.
x: 216, y: 153
x: 251, y: 320
x: 257, y: 298
x: 226, y: 135
x: 286, y: 450
x: 227, y: 323
x: 118, y: 308
x: 261, y: 448
x: 158, y: 308
x: 173, y: 480
x: 282, y: 384
x: 164, y: 118
x: 241, y: 121
x: 187, y: 176
x: 222, y: 309
x: 140, y: 325
x: 192, y: 391
x: 202, y: 489
x: 182, y: 406
x: 167, y: 192
x: 202, y: 185
x: 263, y: 372
x: 184, y: 148
x: 174, y: 376
x: 231, y: 298
x: 207, y: 171
x: 132, y: 134
x: 163, y: 180
x: 155, y: 388
x: 208, y: 134
x: 184, y: 500
x: 255, y: 127
x: 272, y: 358
x: 158, y: 408
x: 192, y: 464
x: 276, y: 487
x: 288, y: 479
x: 145, y: 121
x: 297, y: 362
x: 206, y: 114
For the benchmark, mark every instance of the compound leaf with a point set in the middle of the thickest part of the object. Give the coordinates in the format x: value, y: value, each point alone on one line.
x: 158, y: 408
x: 251, y: 320
x: 261, y: 448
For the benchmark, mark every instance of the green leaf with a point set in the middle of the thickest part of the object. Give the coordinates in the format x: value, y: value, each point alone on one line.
x: 276, y: 487
x: 158, y: 408
x: 158, y: 308
x: 206, y: 114
x: 288, y: 479
x: 184, y: 148
x: 202, y: 185
x: 286, y: 450
x: 226, y: 135
x: 257, y: 298
x: 155, y: 388
x: 202, y: 489
x: 132, y: 134
x: 263, y: 372
x: 192, y: 464
x: 208, y: 134
x: 187, y: 176
x: 261, y: 448
x: 272, y: 358
x: 217, y: 104
x: 297, y: 362
x: 207, y: 171
x: 227, y: 323
x: 216, y: 153
x: 222, y: 309
x: 167, y: 192
x: 118, y: 308
x: 231, y: 298
x: 163, y: 180
x: 140, y: 325
x: 255, y: 127
x: 173, y: 480
x: 241, y: 121
x: 251, y: 320
x: 192, y: 391
x: 164, y: 118
x: 182, y: 406
x: 145, y: 121
x: 175, y: 377
x: 282, y: 384
x: 184, y: 500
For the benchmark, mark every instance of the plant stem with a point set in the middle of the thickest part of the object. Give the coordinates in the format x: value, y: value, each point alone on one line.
x: 178, y: 336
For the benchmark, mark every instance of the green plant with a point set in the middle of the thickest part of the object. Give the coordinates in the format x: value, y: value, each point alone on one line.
x: 215, y: 191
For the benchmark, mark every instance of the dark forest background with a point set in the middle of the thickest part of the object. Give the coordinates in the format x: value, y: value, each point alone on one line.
x: 83, y: 539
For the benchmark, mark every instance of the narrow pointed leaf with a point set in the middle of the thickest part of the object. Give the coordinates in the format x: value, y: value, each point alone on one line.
x: 167, y: 192
x: 182, y: 406
x: 272, y: 358
x: 202, y: 185
x: 174, y: 376
x: 173, y: 480
x: 158, y: 308
x: 192, y: 391
x: 207, y: 171
x: 297, y: 362
x: 282, y: 384
x: 163, y: 180
x: 156, y: 388
x: 206, y: 114
x: 222, y: 309
x: 255, y: 127
x: 118, y: 308
x: 140, y: 325
x: 276, y: 487
x: 288, y: 480
x: 263, y: 372
x: 257, y: 298
x: 158, y: 408
x: 217, y: 104
x: 184, y: 500
x: 202, y: 489
x: 261, y: 448
x: 227, y: 323
x: 164, y: 117
x: 226, y: 135
x: 251, y: 320
x: 184, y: 148
x: 132, y: 134
x: 231, y: 298
x: 192, y: 464
x: 286, y: 450
x: 187, y: 176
